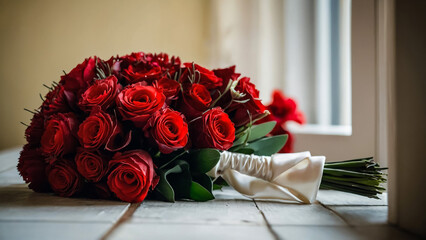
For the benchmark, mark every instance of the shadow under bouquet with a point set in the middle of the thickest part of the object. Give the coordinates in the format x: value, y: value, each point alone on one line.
x: 147, y: 125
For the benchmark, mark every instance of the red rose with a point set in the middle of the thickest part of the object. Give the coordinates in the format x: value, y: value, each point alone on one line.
x: 196, y: 99
x: 32, y: 168
x: 59, y: 134
x: 213, y: 130
x: 226, y: 74
x: 138, y: 102
x: 132, y: 175
x: 91, y: 165
x: 170, y: 88
x: 81, y: 76
x: 141, y: 72
x: 34, y: 132
x: 169, y: 65
x: 64, y: 179
x: 169, y: 130
x: 102, y: 93
x: 56, y: 101
x: 96, y: 130
x: 254, y: 106
x: 201, y: 75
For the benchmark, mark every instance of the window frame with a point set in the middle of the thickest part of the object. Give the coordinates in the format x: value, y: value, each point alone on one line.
x: 362, y: 142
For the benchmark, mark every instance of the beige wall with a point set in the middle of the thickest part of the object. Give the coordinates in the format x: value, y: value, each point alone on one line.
x: 39, y: 39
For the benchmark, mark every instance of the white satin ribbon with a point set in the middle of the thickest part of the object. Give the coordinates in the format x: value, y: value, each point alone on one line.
x: 287, y: 177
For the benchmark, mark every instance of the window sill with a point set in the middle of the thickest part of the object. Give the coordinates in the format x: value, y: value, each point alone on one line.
x: 316, y: 129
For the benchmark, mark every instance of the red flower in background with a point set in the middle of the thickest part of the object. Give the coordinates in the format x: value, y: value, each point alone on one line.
x: 283, y: 109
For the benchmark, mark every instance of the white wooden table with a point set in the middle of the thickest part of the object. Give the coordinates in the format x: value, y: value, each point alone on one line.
x: 28, y: 215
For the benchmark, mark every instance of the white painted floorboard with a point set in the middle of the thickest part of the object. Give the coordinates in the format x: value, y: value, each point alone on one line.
x: 28, y: 215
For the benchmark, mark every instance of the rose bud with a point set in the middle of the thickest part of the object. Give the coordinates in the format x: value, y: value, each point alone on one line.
x: 196, y: 99
x: 170, y: 88
x: 64, y: 179
x: 59, y: 134
x: 80, y: 77
x: 95, y: 131
x: 201, y: 75
x: 138, y: 102
x: 213, y: 130
x: 34, y: 132
x: 91, y: 165
x: 168, y: 129
x: 32, y: 168
x: 132, y: 175
x: 102, y: 93
x: 252, y: 108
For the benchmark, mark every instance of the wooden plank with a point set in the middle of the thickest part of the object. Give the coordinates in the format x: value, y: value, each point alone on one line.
x: 228, y: 193
x: 219, y: 212
x: 335, y: 232
x: 384, y: 232
x: 10, y: 177
x: 190, y: 232
x: 365, y: 215
x: 18, y: 203
x: 52, y: 230
x: 298, y: 214
x: 336, y: 198
x: 9, y: 158
x: 317, y: 232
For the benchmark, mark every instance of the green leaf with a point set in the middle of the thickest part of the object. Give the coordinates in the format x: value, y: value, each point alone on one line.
x: 175, y: 182
x: 163, y: 187
x: 170, y: 158
x: 181, y: 182
x: 244, y: 150
x: 217, y: 186
x: 199, y: 193
x: 203, y: 160
x: 268, y: 145
x: 256, y: 132
x: 204, y: 181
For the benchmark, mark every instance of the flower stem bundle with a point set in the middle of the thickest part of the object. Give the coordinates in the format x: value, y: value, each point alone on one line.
x: 359, y: 176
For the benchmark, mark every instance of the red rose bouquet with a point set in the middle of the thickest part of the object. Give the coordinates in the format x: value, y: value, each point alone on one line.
x: 145, y: 125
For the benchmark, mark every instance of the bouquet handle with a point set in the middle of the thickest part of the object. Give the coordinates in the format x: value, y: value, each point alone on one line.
x: 288, y: 177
